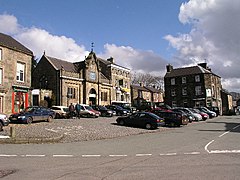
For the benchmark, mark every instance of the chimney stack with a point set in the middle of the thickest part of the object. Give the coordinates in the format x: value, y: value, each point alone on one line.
x: 169, y: 68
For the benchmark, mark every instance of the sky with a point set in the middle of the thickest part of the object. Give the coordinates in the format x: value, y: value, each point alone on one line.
x: 142, y: 35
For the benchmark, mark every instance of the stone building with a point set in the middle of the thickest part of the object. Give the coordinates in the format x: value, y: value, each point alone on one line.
x: 140, y: 93
x: 192, y: 86
x: 15, y: 75
x: 92, y: 81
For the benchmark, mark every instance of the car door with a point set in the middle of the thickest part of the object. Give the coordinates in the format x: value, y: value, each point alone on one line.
x: 37, y: 115
x: 140, y: 120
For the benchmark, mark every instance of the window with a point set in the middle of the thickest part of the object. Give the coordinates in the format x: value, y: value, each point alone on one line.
x: 174, y: 104
x: 184, y: 91
x: 104, y: 96
x: 173, y: 92
x: 198, y: 90
x: 173, y: 81
x: 184, y: 80
x: 71, y: 93
x: 20, y: 72
x: 197, y: 78
x: 1, y: 76
x: 0, y: 54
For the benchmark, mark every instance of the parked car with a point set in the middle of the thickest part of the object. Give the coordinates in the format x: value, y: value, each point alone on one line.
x: 34, y: 113
x: 105, y: 112
x: 206, y: 110
x: 119, y: 110
x: 88, y: 111
x: 204, y: 115
x: 4, y: 121
x: 171, y: 118
x: 147, y: 120
x: 196, y: 116
x: 125, y: 105
x: 188, y: 115
x: 214, y: 109
x: 60, y: 111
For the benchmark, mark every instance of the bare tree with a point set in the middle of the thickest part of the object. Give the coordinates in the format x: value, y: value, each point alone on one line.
x: 148, y: 80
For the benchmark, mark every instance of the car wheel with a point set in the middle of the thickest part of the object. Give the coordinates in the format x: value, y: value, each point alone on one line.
x: 1, y: 126
x: 148, y: 126
x: 121, y: 122
x: 57, y: 116
x: 49, y: 119
x: 29, y: 120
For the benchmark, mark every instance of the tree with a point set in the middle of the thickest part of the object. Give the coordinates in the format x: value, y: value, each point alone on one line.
x: 148, y: 80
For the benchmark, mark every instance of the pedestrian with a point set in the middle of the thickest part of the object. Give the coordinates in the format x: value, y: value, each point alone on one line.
x: 78, y: 109
x: 71, y: 110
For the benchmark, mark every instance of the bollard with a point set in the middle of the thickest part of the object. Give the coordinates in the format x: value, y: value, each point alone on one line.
x: 12, y: 132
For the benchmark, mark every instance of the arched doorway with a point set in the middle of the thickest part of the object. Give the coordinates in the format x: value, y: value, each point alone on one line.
x: 92, y: 97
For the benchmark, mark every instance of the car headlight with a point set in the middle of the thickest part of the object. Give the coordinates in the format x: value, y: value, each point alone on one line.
x: 109, y: 112
x: 21, y: 117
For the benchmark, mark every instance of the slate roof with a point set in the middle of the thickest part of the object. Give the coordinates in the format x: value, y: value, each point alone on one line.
x: 152, y: 89
x: 59, y: 64
x: 9, y: 42
x: 137, y: 87
x: 187, y: 71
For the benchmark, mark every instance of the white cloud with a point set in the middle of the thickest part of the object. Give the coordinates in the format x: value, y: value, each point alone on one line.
x: 137, y: 60
x: 39, y: 40
x: 215, y: 37
x: 9, y: 24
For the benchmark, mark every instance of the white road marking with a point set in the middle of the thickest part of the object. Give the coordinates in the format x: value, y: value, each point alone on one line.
x: 236, y: 127
x: 143, y: 155
x: 8, y: 155
x: 91, y: 155
x: 62, y: 155
x: 34, y: 155
x: 206, y: 147
x: 224, y: 151
x: 224, y: 134
x: 117, y: 155
x: 168, y: 154
x: 192, y: 153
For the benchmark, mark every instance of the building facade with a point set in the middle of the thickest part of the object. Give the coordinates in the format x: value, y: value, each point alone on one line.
x: 193, y: 86
x: 94, y: 81
x: 15, y: 75
x: 140, y: 94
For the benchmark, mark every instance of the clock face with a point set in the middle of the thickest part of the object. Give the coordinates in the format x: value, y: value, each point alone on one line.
x: 92, y: 75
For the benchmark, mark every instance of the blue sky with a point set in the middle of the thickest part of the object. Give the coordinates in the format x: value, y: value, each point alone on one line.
x: 139, y: 24
x: 143, y: 35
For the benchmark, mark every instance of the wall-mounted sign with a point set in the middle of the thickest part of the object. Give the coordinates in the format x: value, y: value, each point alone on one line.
x: 208, y: 93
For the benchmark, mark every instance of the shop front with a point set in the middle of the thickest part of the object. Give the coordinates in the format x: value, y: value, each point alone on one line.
x: 19, y: 98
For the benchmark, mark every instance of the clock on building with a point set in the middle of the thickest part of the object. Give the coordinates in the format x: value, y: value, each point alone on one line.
x: 92, y: 75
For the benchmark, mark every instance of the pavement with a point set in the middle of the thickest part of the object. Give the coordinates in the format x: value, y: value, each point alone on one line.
x: 68, y: 130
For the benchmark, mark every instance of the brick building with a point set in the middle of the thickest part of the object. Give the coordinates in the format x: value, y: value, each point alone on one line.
x: 15, y: 75
x: 92, y: 81
x: 192, y: 86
